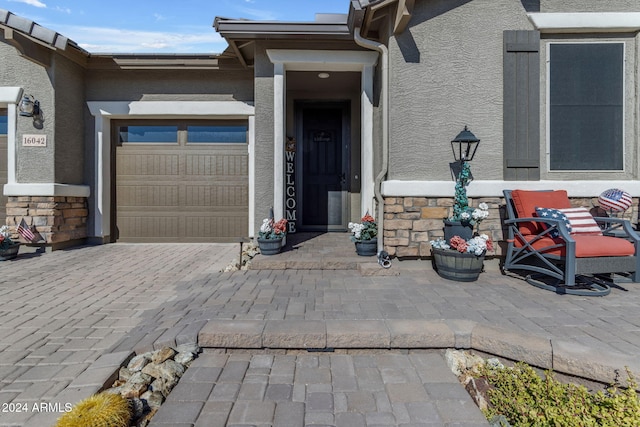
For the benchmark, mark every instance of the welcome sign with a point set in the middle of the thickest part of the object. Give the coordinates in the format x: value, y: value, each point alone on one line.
x: 290, y: 184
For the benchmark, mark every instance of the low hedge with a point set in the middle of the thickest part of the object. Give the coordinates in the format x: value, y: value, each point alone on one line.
x: 524, y: 398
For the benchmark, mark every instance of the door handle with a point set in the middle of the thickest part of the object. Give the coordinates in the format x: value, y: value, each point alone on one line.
x: 343, y: 178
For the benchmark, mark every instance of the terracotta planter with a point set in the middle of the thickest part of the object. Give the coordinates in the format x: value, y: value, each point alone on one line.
x: 457, y: 228
x: 453, y: 265
x: 10, y: 253
x: 367, y: 247
x: 270, y: 246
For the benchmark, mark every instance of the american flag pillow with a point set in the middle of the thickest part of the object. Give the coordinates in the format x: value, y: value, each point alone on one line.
x: 553, y: 214
x: 581, y: 221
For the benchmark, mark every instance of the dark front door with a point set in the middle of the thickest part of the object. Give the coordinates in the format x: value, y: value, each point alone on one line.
x: 323, y: 131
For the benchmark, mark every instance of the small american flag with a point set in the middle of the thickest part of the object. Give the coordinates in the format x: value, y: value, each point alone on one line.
x: 25, y: 232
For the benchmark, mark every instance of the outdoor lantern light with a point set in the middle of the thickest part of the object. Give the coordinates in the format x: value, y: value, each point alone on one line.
x: 467, y: 144
x: 29, y: 107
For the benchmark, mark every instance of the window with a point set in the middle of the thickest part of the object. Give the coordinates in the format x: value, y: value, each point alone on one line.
x: 154, y: 134
x: 181, y: 132
x: 586, y: 106
x: 216, y: 134
x: 3, y: 121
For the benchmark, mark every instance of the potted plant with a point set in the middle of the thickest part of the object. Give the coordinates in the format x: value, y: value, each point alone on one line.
x: 364, y: 235
x: 464, y: 217
x: 8, y: 248
x: 271, y: 235
x: 461, y: 259
x: 464, y: 147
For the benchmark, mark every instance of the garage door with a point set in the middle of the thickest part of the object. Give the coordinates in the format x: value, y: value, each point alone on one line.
x: 181, y: 181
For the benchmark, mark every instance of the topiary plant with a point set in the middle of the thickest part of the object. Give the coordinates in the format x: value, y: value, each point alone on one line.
x: 99, y: 410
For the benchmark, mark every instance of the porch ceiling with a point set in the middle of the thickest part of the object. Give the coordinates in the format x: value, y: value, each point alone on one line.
x: 343, y: 82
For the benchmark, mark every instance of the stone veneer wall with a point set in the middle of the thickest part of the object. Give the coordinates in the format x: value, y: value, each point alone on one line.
x: 58, y: 219
x: 411, y: 222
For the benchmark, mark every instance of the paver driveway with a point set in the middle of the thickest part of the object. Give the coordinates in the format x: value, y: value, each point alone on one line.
x: 66, y: 317
x: 61, y: 311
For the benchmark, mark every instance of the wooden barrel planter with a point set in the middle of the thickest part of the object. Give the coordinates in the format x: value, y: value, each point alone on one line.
x: 453, y: 265
x: 10, y: 253
x: 367, y: 247
x: 270, y: 246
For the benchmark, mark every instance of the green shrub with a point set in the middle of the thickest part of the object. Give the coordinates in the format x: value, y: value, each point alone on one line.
x: 526, y: 399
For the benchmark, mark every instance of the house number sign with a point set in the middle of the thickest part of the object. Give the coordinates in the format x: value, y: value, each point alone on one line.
x: 34, y: 140
x: 290, y: 184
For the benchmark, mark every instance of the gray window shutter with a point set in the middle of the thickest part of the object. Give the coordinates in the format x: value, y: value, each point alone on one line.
x: 521, y: 120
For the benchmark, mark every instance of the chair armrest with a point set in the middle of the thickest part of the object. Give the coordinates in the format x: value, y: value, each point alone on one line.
x: 616, y: 224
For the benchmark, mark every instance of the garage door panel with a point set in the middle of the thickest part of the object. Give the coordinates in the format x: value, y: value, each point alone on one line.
x: 181, y: 193
x: 220, y: 165
x: 130, y: 163
x: 225, y: 227
x: 211, y: 226
x: 148, y: 195
x: 138, y: 228
x: 217, y: 195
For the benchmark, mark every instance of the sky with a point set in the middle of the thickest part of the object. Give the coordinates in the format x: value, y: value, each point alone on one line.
x: 158, y: 26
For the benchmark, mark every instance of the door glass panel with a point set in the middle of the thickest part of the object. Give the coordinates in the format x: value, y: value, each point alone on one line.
x: 3, y: 121
x: 216, y: 134
x: 149, y: 134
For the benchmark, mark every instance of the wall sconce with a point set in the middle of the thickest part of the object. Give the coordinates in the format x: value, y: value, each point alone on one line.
x: 29, y: 107
x: 466, y: 144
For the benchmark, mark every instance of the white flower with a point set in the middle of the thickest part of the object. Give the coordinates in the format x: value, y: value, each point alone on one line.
x: 483, y: 206
x: 266, y: 226
x: 465, y: 216
x: 356, y: 229
x: 479, y: 214
x: 477, y: 245
x: 439, y: 244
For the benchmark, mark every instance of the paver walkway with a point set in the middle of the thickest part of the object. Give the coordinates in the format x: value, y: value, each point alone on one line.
x: 69, y: 318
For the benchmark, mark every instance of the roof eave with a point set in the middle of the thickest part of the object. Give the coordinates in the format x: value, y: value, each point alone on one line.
x: 253, y: 30
x: 162, y: 62
x: 401, y: 10
x: 36, y: 42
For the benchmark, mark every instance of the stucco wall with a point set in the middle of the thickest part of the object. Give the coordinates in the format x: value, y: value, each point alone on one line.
x: 178, y: 85
x: 33, y: 164
x: 589, y: 6
x: 264, y: 134
x: 69, y: 125
x: 446, y: 72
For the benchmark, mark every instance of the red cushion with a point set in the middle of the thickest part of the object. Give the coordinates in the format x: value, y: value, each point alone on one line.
x: 587, y: 246
x: 526, y: 201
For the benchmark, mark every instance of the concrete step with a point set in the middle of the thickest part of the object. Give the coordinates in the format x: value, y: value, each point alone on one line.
x: 320, y: 251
